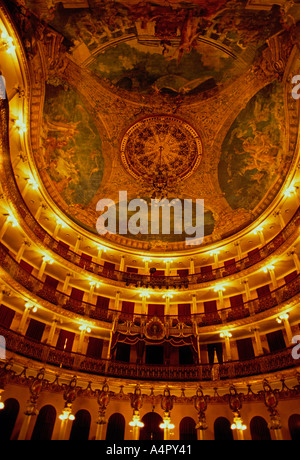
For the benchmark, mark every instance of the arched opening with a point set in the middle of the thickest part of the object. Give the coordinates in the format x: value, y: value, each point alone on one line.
x: 81, y: 426
x: 187, y: 429
x: 259, y: 429
x: 151, y: 430
x: 8, y: 417
x: 44, y: 424
x: 294, y: 427
x: 222, y: 429
x: 115, y: 428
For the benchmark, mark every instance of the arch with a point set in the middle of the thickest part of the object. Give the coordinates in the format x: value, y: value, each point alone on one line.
x: 187, y: 431
x: 115, y: 428
x: 294, y: 427
x: 8, y: 417
x: 81, y: 426
x: 222, y: 429
x: 44, y: 424
x: 151, y: 430
x: 259, y: 429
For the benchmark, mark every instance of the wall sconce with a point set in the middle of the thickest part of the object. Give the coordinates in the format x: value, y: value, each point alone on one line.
x: 12, y: 220
x: 268, y: 268
x: 1, y: 404
x: 281, y: 318
x: 20, y: 126
x: 219, y: 289
x: 238, y: 425
x: 96, y: 284
x: 86, y: 328
x: 7, y: 42
x: 145, y: 294
x: 66, y: 416
x: 48, y: 260
x: 225, y: 334
x: 290, y: 191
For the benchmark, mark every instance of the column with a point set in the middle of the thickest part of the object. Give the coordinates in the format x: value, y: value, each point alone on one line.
x: 278, y: 214
x: 39, y: 211
x: 51, y: 335
x: 77, y: 244
x: 57, y: 229
x: 168, y: 266
x: 9, y: 220
x: 284, y: 318
x: 144, y: 302
x: 275, y: 425
x: 226, y: 335
x: 117, y: 301
x: 147, y: 260
x: 270, y: 269
x: 192, y: 267
x: 136, y: 425
x: 122, y: 264
x: 215, y: 254
x: 295, y: 259
x: 22, y: 250
x: 108, y: 352
x: 261, y: 235
x: 66, y: 283
x: 93, y: 285
x: 100, y: 428
x: 239, y: 426
x: 167, y: 298
x: 259, y: 347
x: 65, y: 417
x: 167, y: 426
x: 239, y: 249
x: 29, y: 413
x: 194, y: 304
x: 28, y: 307
x: 220, y: 290
x: 46, y: 260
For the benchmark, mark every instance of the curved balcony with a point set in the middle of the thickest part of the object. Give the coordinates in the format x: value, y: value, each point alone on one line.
x: 29, y: 348
x: 223, y: 316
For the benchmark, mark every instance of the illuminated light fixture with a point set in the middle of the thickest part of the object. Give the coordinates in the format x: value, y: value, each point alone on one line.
x: 238, y: 425
x: 168, y: 296
x: 86, y: 328
x: 258, y: 230
x: 168, y: 261
x: 11, y: 219
x: 225, y: 334
x: 1, y: 405
x: 8, y: 43
x: 145, y: 294
x: 66, y: 416
x: 135, y: 422
x: 214, y: 253
x: 97, y: 284
x: 147, y: 259
x: 48, y: 260
x: 219, y: 288
x: 268, y: 268
x: 290, y: 191
x: 167, y: 425
x: 34, y: 185
x: 21, y: 126
x: 61, y: 223
x: 31, y: 306
x: 282, y: 318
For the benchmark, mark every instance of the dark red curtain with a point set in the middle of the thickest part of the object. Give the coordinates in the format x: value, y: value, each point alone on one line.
x: 210, y: 307
x: 236, y: 301
x: 94, y: 349
x: 35, y: 330
x: 65, y: 338
x: 6, y: 316
x: 245, y: 349
x: 102, y: 302
x: 156, y: 310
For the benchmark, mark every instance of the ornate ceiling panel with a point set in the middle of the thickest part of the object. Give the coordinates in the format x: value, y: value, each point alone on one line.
x: 122, y: 91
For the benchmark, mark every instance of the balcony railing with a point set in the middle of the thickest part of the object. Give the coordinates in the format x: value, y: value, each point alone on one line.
x: 43, y: 353
x: 223, y: 316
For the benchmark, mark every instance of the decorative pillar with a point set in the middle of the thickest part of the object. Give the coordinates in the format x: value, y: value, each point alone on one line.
x: 122, y: 264
x: 28, y: 307
x: 83, y: 330
x: 147, y: 260
x: 108, y: 357
x: 168, y: 266
x: 39, y: 211
x: 144, y: 297
x: 235, y: 404
x: 70, y: 394
x: 200, y: 404
x: 284, y: 318
x: 167, y: 403
x: 295, y: 259
x: 93, y: 285
x: 278, y: 214
x: 271, y: 402
x: 31, y: 410
x: 167, y: 298
x: 239, y: 249
x: 46, y: 260
x: 270, y: 269
x: 77, y: 244
x: 117, y: 301
x: 215, y: 254
x: 255, y: 330
x: 261, y: 235
x: 67, y: 282
x: 52, y: 332
x: 22, y: 250
x: 9, y: 220
x: 192, y: 267
x: 103, y: 400
x: 220, y: 290
x: 136, y: 404
x: 226, y: 335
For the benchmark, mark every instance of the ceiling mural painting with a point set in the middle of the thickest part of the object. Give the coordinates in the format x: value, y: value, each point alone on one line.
x: 162, y: 99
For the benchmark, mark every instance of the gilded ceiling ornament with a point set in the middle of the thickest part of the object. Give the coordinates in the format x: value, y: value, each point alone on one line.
x: 160, y: 152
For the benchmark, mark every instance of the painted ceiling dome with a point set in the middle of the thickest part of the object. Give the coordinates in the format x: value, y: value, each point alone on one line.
x: 161, y: 99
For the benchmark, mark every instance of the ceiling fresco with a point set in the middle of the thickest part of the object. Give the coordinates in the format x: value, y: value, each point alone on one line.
x: 120, y: 82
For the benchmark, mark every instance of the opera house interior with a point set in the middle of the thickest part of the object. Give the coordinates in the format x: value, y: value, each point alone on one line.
x: 128, y: 108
